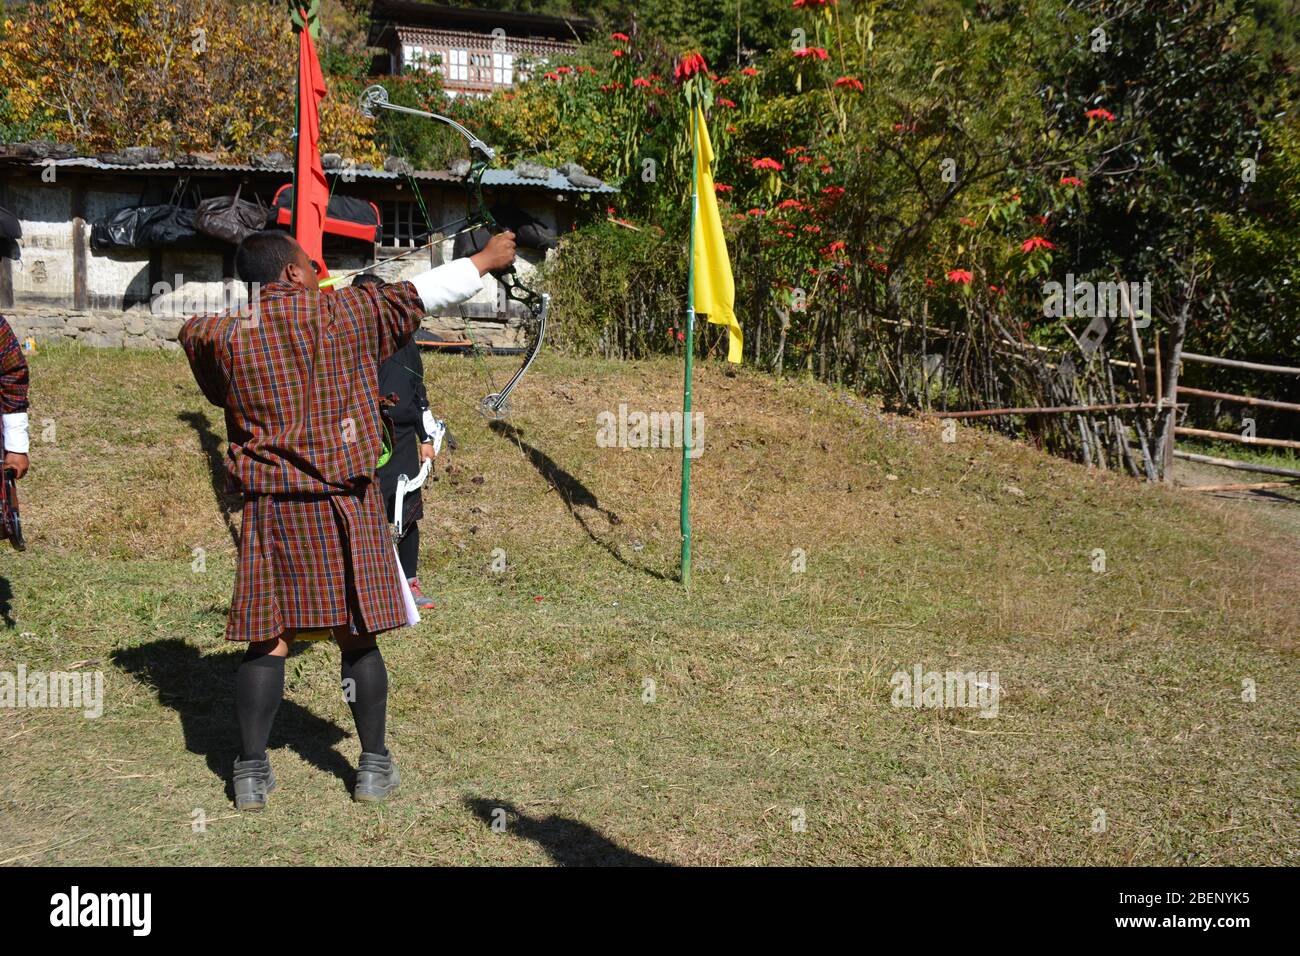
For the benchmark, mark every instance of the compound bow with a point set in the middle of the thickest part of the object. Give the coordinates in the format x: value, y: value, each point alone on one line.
x: 537, y: 304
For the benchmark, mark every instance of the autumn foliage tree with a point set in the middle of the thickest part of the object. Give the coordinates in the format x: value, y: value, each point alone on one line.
x: 181, y: 75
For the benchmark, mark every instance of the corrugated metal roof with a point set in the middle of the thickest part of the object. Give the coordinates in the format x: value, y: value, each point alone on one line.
x: 492, y: 177
x: 508, y: 177
x: 90, y: 162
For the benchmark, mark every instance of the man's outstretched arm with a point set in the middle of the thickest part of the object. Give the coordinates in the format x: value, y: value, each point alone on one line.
x: 401, y: 305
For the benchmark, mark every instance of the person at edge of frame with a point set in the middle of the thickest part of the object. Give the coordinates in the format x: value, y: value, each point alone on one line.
x: 14, y: 440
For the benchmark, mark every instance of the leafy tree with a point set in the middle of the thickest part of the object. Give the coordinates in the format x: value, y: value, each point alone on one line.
x: 183, y: 75
x: 1187, y: 101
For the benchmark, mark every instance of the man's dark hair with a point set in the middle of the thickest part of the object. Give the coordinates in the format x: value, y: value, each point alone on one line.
x: 368, y: 278
x: 262, y: 256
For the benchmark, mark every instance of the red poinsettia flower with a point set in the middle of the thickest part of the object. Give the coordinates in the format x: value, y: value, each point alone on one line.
x: 789, y: 204
x: 814, y: 230
x: 563, y: 69
x: 688, y: 66
x: 834, y: 192
x: 727, y: 103
x: 1037, y: 242
x: 1100, y: 114
x: 816, y: 52
x: 721, y: 188
x: 641, y: 81
x: 1071, y: 181
x: 828, y: 169
x: 617, y: 53
x: 749, y: 71
x: 850, y: 82
x: 961, y: 276
x: 620, y: 37
x: 967, y: 222
x: 756, y: 211
x: 766, y: 163
x: 810, y: 4
x: 551, y: 76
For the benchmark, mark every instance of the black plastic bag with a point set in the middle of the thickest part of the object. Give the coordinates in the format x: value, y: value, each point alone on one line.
x: 530, y: 232
x: 137, y: 227
x: 10, y: 228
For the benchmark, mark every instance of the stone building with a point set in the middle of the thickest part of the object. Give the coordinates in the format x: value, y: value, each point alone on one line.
x: 62, y: 288
x: 476, y: 51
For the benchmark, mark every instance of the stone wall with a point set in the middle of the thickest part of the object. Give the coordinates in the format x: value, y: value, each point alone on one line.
x: 139, y: 328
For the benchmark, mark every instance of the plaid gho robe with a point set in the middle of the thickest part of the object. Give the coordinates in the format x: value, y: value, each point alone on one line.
x: 13, y: 389
x: 298, y: 378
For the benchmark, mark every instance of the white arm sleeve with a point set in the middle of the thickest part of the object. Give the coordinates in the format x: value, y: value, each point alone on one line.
x: 448, y: 284
x: 15, y: 432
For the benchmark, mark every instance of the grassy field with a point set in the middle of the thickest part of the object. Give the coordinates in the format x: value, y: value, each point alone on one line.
x: 1122, y: 736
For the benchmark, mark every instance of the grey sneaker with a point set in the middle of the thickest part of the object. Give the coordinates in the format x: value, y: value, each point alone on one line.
x: 253, y: 781
x: 377, y: 777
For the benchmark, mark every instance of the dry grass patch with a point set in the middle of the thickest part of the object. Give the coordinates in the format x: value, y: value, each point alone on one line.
x: 525, y: 690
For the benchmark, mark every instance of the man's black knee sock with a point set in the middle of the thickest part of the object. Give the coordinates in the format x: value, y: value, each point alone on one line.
x: 365, y: 688
x: 259, y: 687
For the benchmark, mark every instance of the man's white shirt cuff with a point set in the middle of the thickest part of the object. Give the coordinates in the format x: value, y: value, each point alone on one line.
x: 15, y: 431
x: 449, y: 284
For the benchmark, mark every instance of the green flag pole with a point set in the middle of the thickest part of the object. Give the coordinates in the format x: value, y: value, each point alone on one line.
x: 687, y: 437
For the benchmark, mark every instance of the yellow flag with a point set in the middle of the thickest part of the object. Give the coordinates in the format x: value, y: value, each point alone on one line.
x: 715, y: 290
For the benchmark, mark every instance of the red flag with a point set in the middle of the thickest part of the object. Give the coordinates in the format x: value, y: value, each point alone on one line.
x: 311, y: 193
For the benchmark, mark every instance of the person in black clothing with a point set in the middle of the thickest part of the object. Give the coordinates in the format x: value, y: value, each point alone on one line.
x: 402, y: 376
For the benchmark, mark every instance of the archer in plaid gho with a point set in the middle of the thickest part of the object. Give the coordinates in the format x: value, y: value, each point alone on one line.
x: 296, y: 374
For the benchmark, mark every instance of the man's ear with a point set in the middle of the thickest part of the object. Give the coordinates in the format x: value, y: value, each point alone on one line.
x: 294, y: 273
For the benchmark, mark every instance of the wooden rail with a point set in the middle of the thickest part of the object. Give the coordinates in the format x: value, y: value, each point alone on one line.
x: 1233, y: 436
x: 1237, y: 363
x: 1238, y: 465
x: 1240, y: 399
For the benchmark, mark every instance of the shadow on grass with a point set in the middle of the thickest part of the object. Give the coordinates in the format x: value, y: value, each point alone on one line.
x: 567, y: 842
x: 201, y: 689
x: 574, y: 494
x: 210, y: 442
